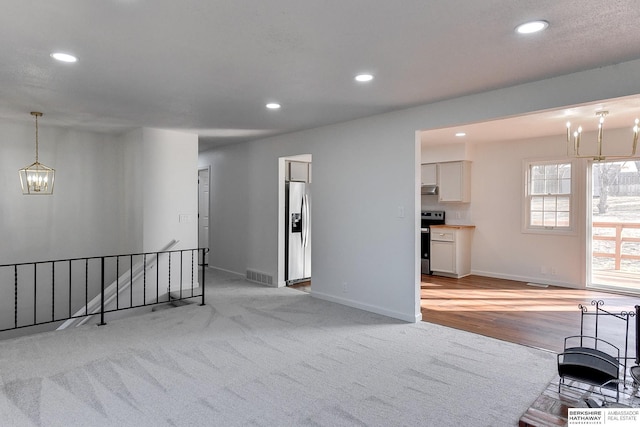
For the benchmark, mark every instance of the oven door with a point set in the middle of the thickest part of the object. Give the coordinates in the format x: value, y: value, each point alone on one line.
x: 425, y: 234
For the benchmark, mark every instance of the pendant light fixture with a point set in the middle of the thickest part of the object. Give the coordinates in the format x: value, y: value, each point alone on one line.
x: 574, y: 139
x: 37, y: 178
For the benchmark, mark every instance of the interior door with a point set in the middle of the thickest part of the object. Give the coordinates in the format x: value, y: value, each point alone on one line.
x: 203, y: 214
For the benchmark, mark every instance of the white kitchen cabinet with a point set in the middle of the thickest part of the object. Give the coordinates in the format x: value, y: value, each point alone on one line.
x: 454, y: 181
x: 298, y: 171
x: 429, y: 173
x: 451, y: 250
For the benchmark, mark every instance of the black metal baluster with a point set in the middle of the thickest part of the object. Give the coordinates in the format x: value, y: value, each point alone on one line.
x: 53, y: 291
x: 35, y: 300
x: 191, y: 273
x: 130, y: 281
x: 169, y: 288
x: 15, y: 296
x: 86, y: 287
x: 144, y: 279
x: 102, y: 292
x: 117, y: 282
x: 202, y: 287
x: 70, y: 276
x: 181, y: 259
x: 157, y: 277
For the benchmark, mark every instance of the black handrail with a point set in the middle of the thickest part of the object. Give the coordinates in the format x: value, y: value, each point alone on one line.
x: 27, y: 280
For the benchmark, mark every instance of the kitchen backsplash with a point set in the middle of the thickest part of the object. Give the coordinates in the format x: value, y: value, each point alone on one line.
x: 455, y: 213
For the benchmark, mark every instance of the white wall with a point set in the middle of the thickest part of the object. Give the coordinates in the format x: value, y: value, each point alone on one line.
x: 113, y: 195
x: 81, y: 218
x: 170, y: 189
x: 364, y: 170
x: 500, y: 247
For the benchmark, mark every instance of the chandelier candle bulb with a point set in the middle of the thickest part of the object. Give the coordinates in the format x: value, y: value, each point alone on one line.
x: 635, y: 137
x: 598, y: 156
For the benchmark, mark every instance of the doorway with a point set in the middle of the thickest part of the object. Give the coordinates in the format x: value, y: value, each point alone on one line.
x: 203, y: 214
x: 614, y: 225
x: 294, y: 170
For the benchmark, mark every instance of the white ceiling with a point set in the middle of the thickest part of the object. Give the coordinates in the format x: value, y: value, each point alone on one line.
x: 211, y: 66
x: 622, y: 113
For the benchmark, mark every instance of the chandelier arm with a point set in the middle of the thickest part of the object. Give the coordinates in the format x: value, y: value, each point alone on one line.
x: 598, y: 156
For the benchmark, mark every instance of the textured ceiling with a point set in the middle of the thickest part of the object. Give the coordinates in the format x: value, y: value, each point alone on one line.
x: 210, y: 66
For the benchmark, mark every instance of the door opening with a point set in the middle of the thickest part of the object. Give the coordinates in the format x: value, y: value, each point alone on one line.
x: 614, y: 225
x: 294, y: 221
x: 203, y: 214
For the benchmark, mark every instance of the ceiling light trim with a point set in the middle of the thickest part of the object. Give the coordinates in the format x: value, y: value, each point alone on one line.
x: 64, y: 57
x: 532, y: 27
x: 364, y: 77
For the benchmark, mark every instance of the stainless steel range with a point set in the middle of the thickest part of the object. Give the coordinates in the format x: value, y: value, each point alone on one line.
x: 428, y: 218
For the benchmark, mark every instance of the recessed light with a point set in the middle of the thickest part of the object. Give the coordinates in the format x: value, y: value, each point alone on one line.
x: 273, y: 106
x: 365, y: 77
x: 64, y: 57
x: 532, y: 27
x: 461, y: 134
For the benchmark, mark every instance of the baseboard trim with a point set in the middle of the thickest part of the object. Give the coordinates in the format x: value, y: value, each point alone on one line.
x: 526, y: 279
x: 411, y: 318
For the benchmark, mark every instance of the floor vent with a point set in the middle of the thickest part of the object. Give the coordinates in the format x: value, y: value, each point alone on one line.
x: 256, y: 276
x: 538, y: 285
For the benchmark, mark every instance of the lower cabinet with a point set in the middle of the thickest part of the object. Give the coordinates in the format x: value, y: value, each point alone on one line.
x: 451, y: 250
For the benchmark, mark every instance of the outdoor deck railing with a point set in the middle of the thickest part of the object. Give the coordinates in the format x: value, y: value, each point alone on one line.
x: 43, y: 292
x: 619, y: 239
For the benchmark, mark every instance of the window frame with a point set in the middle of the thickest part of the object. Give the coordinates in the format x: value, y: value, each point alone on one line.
x: 527, y: 198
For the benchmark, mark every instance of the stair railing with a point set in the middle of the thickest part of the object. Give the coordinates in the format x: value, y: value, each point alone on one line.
x: 47, y: 292
x: 119, y: 286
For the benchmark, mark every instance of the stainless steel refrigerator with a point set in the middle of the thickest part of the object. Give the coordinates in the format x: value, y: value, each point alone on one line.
x: 298, y: 237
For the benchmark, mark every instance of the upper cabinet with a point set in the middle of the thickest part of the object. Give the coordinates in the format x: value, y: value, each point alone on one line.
x: 298, y: 171
x: 454, y: 181
x: 429, y: 172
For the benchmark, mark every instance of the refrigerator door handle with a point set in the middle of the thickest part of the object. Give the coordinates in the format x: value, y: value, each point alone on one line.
x: 305, y: 207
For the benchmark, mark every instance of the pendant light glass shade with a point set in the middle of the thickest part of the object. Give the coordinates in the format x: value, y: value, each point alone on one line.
x: 37, y: 178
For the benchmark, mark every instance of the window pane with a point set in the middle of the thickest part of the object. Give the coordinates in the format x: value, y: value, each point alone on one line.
x: 551, y: 171
x: 537, y: 203
x: 536, y: 219
x: 549, y: 203
x: 549, y: 219
x: 563, y: 204
x: 537, y: 172
x: 563, y: 219
x: 549, y: 195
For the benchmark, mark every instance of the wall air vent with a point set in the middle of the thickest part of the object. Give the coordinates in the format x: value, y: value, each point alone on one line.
x: 257, y: 277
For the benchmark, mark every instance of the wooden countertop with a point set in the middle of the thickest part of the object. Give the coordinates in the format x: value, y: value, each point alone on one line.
x: 456, y: 227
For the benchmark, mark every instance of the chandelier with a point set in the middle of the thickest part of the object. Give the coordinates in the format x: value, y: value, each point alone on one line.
x: 37, y: 178
x: 574, y: 139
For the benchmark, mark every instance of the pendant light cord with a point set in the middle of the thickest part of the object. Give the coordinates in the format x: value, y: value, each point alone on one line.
x: 36, y: 138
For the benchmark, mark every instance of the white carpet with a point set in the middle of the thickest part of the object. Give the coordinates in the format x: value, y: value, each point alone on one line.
x: 267, y: 357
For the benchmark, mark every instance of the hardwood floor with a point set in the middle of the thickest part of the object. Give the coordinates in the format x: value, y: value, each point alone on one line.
x: 540, y: 317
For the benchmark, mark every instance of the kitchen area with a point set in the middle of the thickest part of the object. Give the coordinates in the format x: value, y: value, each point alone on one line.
x: 446, y: 233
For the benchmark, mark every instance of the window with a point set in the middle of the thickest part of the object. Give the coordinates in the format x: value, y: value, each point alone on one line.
x: 549, y: 197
